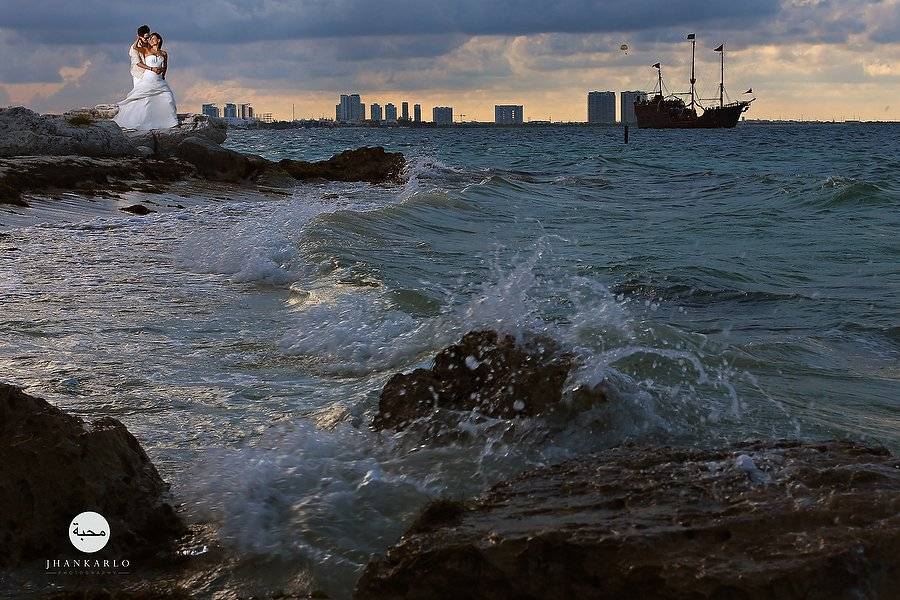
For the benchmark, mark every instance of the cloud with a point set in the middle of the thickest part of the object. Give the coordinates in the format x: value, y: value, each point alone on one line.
x: 59, y: 54
x: 226, y: 21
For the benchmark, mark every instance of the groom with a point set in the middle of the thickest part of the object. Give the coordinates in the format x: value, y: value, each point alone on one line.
x: 137, y: 63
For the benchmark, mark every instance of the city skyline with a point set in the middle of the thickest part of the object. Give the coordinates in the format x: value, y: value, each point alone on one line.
x: 58, y: 56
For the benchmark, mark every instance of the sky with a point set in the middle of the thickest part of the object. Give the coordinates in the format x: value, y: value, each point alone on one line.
x: 811, y: 59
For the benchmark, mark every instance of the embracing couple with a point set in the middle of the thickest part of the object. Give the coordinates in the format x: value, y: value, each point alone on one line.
x: 151, y: 103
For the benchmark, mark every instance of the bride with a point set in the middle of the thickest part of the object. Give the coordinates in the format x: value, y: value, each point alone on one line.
x: 151, y: 104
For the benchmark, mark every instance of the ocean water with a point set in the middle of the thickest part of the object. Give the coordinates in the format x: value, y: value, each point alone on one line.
x: 725, y: 284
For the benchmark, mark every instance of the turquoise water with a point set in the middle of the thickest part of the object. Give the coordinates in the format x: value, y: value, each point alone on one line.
x: 725, y: 284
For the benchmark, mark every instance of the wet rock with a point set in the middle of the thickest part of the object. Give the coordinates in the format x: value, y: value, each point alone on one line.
x: 215, y: 162
x: 758, y: 520
x: 165, y: 142
x: 373, y: 165
x: 137, y: 209
x: 26, y: 133
x: 35, y: 174
x: 55, y: 466
x: 484, y: 372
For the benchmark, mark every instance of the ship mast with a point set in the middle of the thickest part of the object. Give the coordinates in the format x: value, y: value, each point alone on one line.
x: 659, y: 71
x: 693, y: 39
x: 721, y: 49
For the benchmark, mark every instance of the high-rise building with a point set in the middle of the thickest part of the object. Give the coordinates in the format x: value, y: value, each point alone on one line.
x: 245, y: 111
x: 417, y: 113
x: 601, y: 107
x: 390, y: 112
x: 509, y: 114
x: 626, y: 105
x: 350, y: 109
x: 375, y: 112
x: 230, y: 111
x: 404, y: 111
x: 211, y: 110
x: 442, y: 115
x: 250, y: 114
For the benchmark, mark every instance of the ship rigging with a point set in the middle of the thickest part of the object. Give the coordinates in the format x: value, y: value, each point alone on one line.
x: 670, y: 111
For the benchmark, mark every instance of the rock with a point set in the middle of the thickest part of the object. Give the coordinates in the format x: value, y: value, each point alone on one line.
x: 145, y: 151
x: 34, y: 174
x: 26, y: 133
x: 55, y: 467
x: 165, y: 142
x: 215, y: 162
x: 665, y: 523
x: 483, y: 373
x: 101, y: 111
x: 137, y: 209
x: 373, y: 165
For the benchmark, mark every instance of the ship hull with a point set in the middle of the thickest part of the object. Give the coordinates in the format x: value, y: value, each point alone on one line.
x: 657, y: 115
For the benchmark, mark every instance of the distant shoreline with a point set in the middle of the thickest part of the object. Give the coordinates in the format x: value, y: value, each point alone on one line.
x: 322, y: 123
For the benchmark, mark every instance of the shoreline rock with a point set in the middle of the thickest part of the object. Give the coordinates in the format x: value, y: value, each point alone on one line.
x: 757, y: 520
x: 486, y: 373
x: 24, y: 132
x: 55, y: 466
x: 82, y: 151
x: 24, y: 175
x: 165, y: 142
x: 369, y: 163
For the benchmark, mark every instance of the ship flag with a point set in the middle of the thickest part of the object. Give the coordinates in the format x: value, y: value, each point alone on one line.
x: 720, y: 48
x: 691, y: 36
x: 750, y: 91
x: 656, y: 66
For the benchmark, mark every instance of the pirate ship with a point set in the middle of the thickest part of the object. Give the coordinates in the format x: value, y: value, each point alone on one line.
x: 663, y: 111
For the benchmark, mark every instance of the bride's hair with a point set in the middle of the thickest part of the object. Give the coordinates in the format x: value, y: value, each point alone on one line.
x: 160, y: 39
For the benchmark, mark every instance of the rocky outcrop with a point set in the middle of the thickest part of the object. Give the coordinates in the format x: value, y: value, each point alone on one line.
x: 165, y: 142
x: 373, y: 165
x: 484, y: 372
x: 55, y: 466
x: 25, y: 133
x: 101, y: 111
x: 215, y: 162
x: 773, y: 521
x: 85, y: 143
x: 137, y: 209
x: 31, y: 174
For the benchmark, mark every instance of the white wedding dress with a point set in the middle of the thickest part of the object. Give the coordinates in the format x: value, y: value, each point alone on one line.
x: 151, y: 103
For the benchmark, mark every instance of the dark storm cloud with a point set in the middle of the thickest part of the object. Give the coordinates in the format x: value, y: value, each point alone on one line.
x: 273, y: 46
x: 92, y: 21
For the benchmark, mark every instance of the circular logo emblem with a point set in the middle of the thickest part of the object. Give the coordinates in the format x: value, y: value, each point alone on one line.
x: 89, y: 532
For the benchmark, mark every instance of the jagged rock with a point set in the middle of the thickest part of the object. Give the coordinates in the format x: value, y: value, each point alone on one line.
x: 137, y: 209
x: 25, y: 133
x: 55, y: 467
x: 483, y: 372
x: 373, y: 165
x: 101, y: 111
x: 165, y: 142
x: 32, y: 174
x: 215, y: 162
x: 755, y: 521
